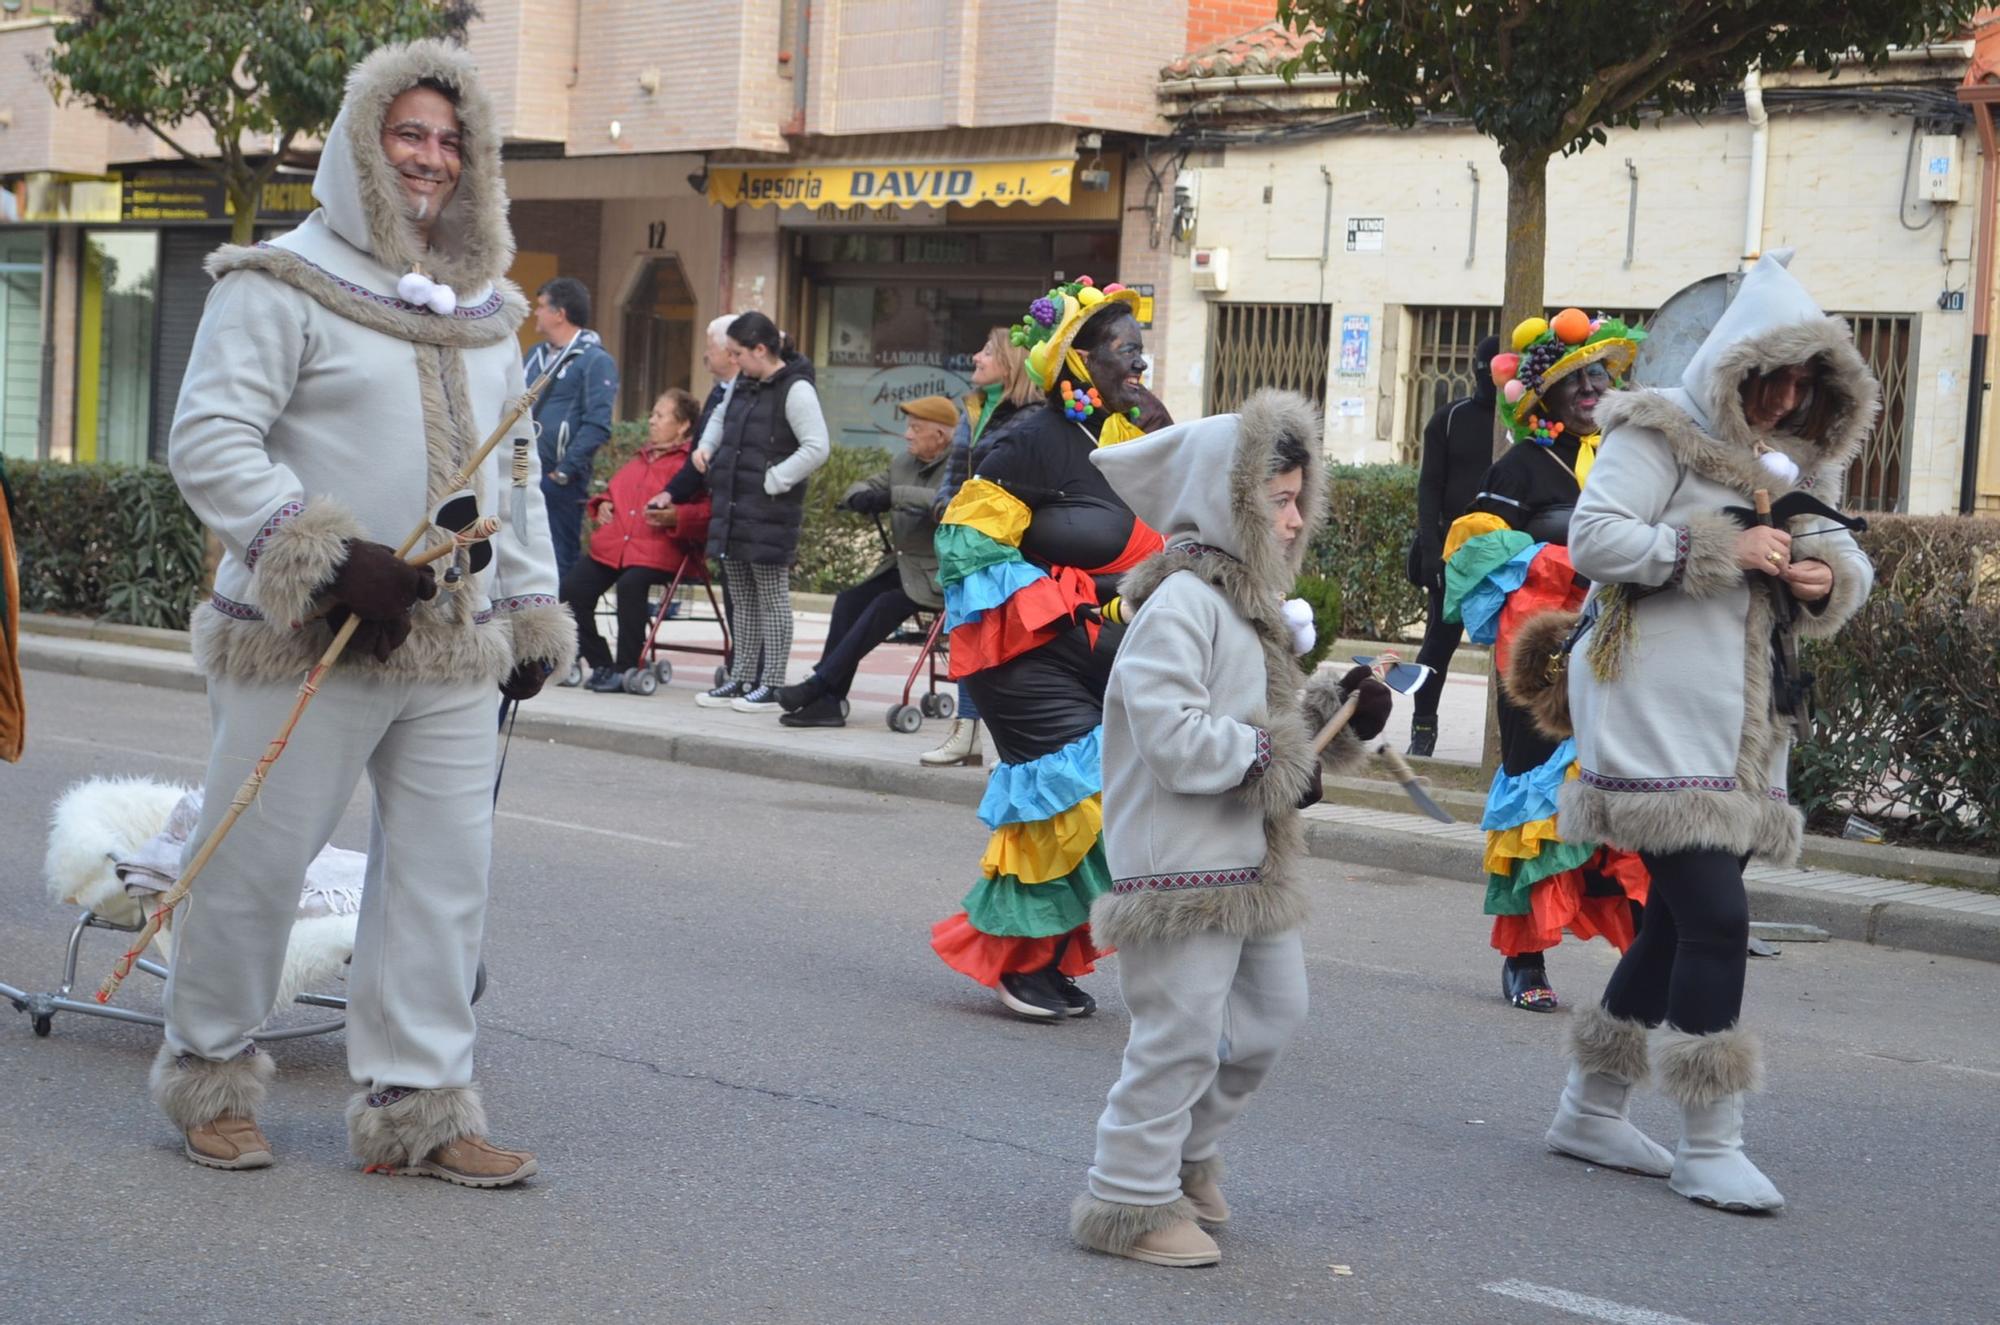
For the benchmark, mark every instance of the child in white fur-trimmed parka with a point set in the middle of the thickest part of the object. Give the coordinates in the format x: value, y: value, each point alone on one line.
x: 1207, y: 761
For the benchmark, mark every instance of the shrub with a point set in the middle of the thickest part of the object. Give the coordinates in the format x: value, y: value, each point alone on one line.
x: 109, y: 541
x: 1324, y: 596
x: 1372, y: 511
x: 838, y: 548
x: 1908, y: 694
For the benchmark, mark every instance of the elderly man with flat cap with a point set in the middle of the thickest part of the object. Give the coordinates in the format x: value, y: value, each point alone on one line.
x: 905, y: 580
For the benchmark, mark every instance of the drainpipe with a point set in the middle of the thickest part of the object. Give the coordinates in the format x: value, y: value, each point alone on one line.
x: 1760, y: 162
x: 1982, y: 290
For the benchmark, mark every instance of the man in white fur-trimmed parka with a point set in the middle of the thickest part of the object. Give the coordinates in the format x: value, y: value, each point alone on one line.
x: 342, y: 374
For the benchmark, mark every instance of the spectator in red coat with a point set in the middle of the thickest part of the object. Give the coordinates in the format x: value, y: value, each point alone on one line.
x: 639, y: 538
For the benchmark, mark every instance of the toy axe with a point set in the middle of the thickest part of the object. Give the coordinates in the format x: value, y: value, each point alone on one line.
x: 1397, y: 675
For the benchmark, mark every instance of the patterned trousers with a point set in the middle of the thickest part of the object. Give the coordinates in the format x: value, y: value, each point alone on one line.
x: 760, y: 621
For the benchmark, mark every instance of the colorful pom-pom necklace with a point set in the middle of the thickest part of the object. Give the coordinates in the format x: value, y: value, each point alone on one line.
x: 1081, y: 407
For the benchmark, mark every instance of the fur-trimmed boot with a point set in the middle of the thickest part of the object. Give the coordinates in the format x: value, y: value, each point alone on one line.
x: 1201, y: 1184
x: 215, y: 1105
x: 1607, y: 1059
x: 1708, y: 1076
x: 1155, y: 1234
x: 432, y: 1134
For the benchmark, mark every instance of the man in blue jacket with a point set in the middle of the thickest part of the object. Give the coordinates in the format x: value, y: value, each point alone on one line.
x: 574, y: 414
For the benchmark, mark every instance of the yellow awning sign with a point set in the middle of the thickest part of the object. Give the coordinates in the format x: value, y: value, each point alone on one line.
x: 902, y: 184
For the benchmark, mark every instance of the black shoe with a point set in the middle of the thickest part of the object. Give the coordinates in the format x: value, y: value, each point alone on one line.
x: 605, y: 681
x: 792, y: 698
x: 1423, y: 737
x: 1076, y: 1003
x: 1524, y: 983
x: 1033, y: 995
x: 824, y: 711
x: 721, y: 697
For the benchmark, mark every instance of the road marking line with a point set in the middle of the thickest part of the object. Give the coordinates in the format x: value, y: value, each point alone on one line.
x: 586, y: 828
x: 1596, y: 1308
x: 122, y: 749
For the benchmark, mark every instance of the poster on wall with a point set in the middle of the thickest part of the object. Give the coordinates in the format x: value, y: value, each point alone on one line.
x: 885, y: 345
x: 1354, y: 345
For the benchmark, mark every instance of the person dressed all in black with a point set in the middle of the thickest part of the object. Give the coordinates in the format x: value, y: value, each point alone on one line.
x: 1458, y: 448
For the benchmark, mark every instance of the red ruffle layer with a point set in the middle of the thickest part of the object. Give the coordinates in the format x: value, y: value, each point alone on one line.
x: 1551, y: 585
x: 1559, y: 902
x: 987, y: 957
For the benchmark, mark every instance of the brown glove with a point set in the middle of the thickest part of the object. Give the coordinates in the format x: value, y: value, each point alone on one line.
x: 376, y: 638
x: 377, y: 585
x: 1371, y: 715
x: 527, y: 678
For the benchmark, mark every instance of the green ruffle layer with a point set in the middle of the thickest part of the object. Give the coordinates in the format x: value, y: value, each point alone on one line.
x: 1507, y: 894
x: 1006, y: 907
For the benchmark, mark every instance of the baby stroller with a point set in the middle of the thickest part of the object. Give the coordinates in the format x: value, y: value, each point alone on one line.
x: 114, y: 848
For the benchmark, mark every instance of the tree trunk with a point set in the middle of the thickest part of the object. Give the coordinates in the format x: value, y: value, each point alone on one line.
x: 1520, y: 298
x: 246, y: 194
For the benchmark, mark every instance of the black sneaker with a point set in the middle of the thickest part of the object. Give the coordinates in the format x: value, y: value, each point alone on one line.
x: 764, y: 699
x: 821, y: 712
x: 1076, y: 1003
x: 721, y: 697
x: 792, y: 698
x: 605, y: 681
x: 1423, y: 737
x: 1033, y: 995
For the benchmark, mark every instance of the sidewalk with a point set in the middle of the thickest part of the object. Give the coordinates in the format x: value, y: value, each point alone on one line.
x: 1849, y: 901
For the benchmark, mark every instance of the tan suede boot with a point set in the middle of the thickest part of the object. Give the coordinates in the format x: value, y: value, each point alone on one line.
x: 1180, y: 1244
x: 1201, y: 1184
x: 473, y: 1161
x: 1155, y: 1234
x: 228, y: 1142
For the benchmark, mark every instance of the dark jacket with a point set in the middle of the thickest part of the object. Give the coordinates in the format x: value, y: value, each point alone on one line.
x: 907, y: 485
x: 747, y: 523
x: 1458, y: 450
x: 958, y: 460
x: 574, y: 414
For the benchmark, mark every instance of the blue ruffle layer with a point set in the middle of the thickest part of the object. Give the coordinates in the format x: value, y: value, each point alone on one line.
x: 1481, y: 606
x: 1043, y: 788
x: 985, y: 589
x: 1513, y: 801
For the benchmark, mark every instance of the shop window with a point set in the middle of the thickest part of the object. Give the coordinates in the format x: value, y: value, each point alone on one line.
x: 114, y: 361
x: 659, y: 339
x: 1258, y: 345
x: 21, y: 344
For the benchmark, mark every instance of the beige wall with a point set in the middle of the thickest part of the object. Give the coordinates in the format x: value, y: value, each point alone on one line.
x: 1832, y: 192
x: 43, y: 136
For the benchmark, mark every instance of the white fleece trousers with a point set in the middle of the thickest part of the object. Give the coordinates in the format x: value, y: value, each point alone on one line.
x: 1210, y: 1015
x: 428, y: 749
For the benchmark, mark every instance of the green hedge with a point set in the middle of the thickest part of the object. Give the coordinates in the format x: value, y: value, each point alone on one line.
x: 1372, y: 511
x: 109, y: 541
x: 1908, y: 694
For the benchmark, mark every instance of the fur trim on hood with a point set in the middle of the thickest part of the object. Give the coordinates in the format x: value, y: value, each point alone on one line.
x: 471, y: 245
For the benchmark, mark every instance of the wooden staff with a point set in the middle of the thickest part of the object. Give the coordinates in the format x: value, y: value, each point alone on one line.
x: 247, y: 793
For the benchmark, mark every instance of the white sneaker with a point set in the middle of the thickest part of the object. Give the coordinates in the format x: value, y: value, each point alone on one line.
x: 764, y: 699
x: 721, y: 697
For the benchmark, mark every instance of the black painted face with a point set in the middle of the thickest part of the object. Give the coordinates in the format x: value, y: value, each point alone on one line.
x: 1118, y: 364
x: 1572, y: 401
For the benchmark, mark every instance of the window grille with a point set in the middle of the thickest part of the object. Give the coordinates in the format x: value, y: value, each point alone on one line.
x: 1259, y: 345
x: 1878, y: 480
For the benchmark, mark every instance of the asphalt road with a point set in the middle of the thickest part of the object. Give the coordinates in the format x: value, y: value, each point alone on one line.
x: 757, y: 1096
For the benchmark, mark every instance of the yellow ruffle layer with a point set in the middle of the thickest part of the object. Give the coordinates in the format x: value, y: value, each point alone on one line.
x: 1046, y: 849
x: 1468, y: 527
x: 986, y: 507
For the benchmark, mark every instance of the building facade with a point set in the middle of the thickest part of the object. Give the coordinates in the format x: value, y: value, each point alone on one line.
x: 1363, y: 264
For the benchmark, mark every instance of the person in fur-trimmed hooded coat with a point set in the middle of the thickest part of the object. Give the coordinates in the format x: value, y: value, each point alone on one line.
x: 342, y: 375
x: 1681, y: 747
x: 1207, y: 759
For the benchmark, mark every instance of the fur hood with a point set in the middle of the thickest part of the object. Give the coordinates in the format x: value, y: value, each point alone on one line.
x: 1772, y: 323
x: 471, y: 245
x: 1201, y: 485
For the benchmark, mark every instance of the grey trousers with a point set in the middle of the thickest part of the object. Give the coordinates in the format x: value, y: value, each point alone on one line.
x: 428, y: 749
x: 1210, y: 1015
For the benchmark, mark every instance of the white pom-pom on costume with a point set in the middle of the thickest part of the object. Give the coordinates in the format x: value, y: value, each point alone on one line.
x: 415, y: 288
x: 1779, y: 466
x: 443, y: 301
x: 1298, y: 615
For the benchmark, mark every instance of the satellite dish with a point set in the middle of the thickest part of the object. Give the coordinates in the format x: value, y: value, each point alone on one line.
x: 1677, y: 330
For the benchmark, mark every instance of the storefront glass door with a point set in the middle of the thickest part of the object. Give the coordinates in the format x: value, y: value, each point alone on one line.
x: 114, y: 353
x: 21, y: 343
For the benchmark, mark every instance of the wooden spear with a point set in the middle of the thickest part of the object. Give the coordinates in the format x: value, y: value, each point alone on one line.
x: 247, y: 793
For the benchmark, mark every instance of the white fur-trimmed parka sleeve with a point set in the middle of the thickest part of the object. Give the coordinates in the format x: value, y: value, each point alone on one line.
x: 1617, y: 535
x: 1158, y: 685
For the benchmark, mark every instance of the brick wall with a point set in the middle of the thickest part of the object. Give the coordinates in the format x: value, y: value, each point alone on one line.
x: 1210, y: 21
x: 43, y: 135
x: 572, y: 231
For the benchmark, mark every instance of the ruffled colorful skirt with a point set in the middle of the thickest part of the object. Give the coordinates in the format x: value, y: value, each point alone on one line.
x: 1043, y: 867
x: 1537, y: 884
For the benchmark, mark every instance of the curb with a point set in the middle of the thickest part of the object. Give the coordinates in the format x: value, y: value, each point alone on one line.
x: 1423, y: 849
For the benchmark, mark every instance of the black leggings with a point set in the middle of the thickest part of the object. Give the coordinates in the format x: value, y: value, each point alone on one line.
x: 1686, y: 966
x: 586, y: 582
